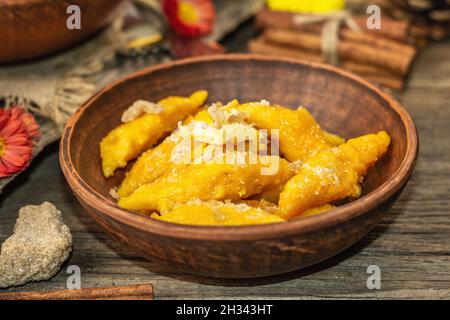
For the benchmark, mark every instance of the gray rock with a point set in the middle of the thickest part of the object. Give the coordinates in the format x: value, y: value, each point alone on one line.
x: 40, y: 244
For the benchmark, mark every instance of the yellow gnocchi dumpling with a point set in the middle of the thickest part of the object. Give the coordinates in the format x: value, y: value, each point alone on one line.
x: 130, y: 139
x: 300, y: 135
x: 316, y: 211
x: 218, y: 214
x: 153, y: 163
x: 332, y: 175
x: 208, y: 181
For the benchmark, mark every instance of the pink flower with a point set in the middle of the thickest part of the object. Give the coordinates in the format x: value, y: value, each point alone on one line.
x: 15, y: 143
x: 30, y: 123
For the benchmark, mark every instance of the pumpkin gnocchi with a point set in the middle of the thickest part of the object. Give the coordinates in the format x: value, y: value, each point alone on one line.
x: 214, y: 213
x: 233, y: 164
x: 205, y: 181
x: 131, y: 138
x: 332, y: 175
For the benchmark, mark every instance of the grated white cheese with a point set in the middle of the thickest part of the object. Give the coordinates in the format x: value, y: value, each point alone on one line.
x: 204, y: 140
x: 221, y: 116
x: 296, y: 166
x: 140, y: 107
x: 324, y: 174
x: 113, y: 193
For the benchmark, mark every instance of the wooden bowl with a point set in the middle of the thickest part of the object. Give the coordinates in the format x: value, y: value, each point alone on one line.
x: 33, y: 28
x: 341, y: 102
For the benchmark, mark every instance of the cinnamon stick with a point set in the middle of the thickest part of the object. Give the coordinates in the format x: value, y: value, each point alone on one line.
x: 131, y: 292
x: 378, y: 42
x: 363, y: 37
x: 263, y: 47
x: 370, y: 72
x: 397, y: 62
x: 393, y: 29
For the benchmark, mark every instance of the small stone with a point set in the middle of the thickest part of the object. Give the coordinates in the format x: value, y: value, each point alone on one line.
x: 40, y: 244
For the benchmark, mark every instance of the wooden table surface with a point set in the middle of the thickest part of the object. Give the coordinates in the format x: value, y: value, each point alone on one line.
x: 411, y: 245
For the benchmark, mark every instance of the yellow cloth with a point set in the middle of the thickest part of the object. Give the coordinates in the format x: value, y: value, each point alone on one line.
x: 306, y: 6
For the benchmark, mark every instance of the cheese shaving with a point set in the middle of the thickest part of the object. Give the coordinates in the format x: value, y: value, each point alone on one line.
x: 206, y: 141
x: 222, y: 115
x: 140, y: 107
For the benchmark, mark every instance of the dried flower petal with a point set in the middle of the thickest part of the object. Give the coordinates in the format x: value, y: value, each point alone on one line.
x: 27, y: 119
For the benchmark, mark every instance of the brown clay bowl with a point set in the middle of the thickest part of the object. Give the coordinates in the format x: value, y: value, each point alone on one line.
x: 341, y: 102
x: 33, y: 28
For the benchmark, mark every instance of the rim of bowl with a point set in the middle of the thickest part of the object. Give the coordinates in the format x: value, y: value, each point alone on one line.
x: 341, y: 214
